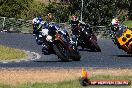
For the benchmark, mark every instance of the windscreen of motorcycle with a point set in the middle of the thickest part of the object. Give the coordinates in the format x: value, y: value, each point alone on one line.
x: 121, y: 30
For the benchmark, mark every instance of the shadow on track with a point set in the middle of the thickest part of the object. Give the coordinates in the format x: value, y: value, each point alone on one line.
x: 129, y: 55
x: 87, y: 50
x: 84, y: 50
x: 53, y: 61
x: 47, y: 61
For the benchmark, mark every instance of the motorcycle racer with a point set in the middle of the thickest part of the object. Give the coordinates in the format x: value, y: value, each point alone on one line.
x: 36, y: 22
x: 45, y: 32
x: 115, y: 24
x: 76, y: 26
x: 117, y: 29
x: 48, y: 37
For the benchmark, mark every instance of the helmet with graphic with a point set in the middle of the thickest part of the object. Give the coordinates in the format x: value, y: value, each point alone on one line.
x: 74, y: 20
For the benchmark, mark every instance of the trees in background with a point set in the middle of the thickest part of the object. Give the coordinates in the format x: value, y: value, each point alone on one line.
x: 95, y: 12
x: 100, y: 12
x: 130, y: 10
x: 27, y: 9
x: 14, y: 8
x: 60, y: 12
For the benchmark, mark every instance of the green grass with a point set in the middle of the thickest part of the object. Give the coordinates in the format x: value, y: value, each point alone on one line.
x: 129, y: 23
x: 69, y: 84
x: 25, y: 29
x: 7, y: 53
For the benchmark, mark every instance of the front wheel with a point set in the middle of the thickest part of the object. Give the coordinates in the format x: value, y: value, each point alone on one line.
x: 95, y: 46
x: 61, y: 51
x: 75, y: 55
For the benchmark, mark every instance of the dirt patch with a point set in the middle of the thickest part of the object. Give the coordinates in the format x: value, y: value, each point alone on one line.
x: 112, y: 72
x: 14, y: 76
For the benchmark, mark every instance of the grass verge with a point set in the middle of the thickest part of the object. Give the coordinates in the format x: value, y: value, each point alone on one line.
x: 70, y: 84
x: 7, y: 53
x: 58, y: 78
x: 25, y: 29
x: 129, y: 23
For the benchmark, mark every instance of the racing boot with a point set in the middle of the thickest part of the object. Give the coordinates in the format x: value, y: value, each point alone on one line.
x: 45, y: 49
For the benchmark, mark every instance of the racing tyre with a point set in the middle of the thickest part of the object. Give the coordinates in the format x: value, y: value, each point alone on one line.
x: 95, y: 47
x: 61, y: 52
x: 75, y: 56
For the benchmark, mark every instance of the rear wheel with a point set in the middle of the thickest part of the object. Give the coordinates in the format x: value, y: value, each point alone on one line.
x: 61, y: 51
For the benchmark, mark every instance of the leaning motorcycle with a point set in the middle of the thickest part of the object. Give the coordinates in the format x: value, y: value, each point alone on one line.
x: 123, y: 38
x: 88, y: 40
x: 84, y: 37
x: 58, y: 43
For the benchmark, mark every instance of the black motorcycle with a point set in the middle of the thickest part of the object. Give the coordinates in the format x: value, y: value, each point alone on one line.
x: 84, y: 37
x: 88, y: 40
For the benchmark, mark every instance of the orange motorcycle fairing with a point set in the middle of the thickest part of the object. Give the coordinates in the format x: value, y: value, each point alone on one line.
x: 125, y: 41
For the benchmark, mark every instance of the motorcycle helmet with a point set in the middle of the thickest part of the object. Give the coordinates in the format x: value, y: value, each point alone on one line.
x: 74, y: 20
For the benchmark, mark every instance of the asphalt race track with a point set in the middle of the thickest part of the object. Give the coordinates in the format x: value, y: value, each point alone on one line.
x: 110, y: 57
